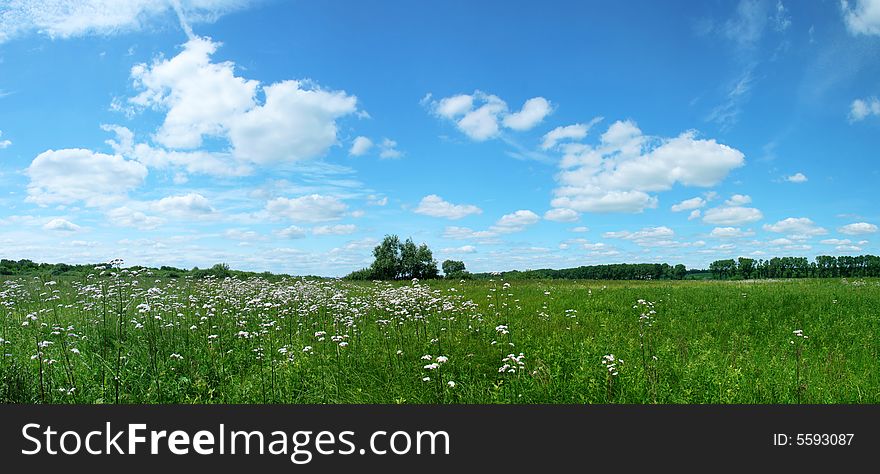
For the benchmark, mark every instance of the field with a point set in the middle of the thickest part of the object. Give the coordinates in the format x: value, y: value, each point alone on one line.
x: 120, y: 336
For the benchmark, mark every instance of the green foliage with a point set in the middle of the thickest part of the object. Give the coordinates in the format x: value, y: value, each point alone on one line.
x: 796, y: 267
x: 396, y: 260
x: 189, y: 340
x: 455, y: 270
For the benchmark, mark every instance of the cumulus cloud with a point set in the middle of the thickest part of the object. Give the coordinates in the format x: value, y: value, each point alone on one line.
x: 688, y: 204
x: 71, y: 175
x: 481, y: 116
x: 860, y: 109
x: 73, y: 18
x: 695, y: 214
x: 730, y: 233
x: 738, y: 200
x: 433, y: 205
x: 618, y: 174
x: 292, y: 232
x: 732, y: 216
x: 127, y: 217
x: 310, y: 208
x: 836, y: 242
x: 574, y: 132
x: 296, y: 120
x: 644, y: 234
x: 661, y: 236
x: 188, y: 205
x: 580, y: 229
x: 340, y: 229
x: 861, y: 16
x: 360, y: 146
x: 515, y: 222
x: 4, y: 143
x: 61, y: 225
x: 466, y: 233
x: 796, y: 178
x: 388, y: 149
x: 458, y: 250
x: 532, y: 113
x: 796, y: 228
x: 561, y: 215
x: 858, y: 228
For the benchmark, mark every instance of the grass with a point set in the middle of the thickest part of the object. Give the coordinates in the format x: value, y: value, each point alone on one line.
x: 124, y: 337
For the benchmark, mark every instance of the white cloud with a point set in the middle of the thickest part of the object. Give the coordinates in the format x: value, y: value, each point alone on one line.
x: 465, y: 233
x: 243, y: 235
x: 388, y: 149
x: 580, y: 229
x: 515, y: 222
x: 860, y: 109
x: 729, y: 233
x: 193, y: 161
x: 61, y: 225
x: 462, y: 249
x: 796, y: 178
x: 533, y: 112
x: 568, y: 132
x: 732, y: 216
x: 848, y: 248
x: 376, y: 200
x: 644, y: 234
x: 836, y: 242
x: 70, y: 175
x: 200, y: 97
x: 360, y: 146
x: 561, y: 215
x: 688, y: 204
x: 188, y: 205
x: 862, y: 16
x: 310, y: 208
x: 480, y: 116
x: 738, y: 200
x: 292, y: 232
x: 127, y: 217
x: 66, y: 18
x: 858, y: 228
x: 619, y: 173
x: 796, y: 228
x: 341, y: 229
x: 296, y: 121
x: 4, y: 143
x: 433, y: 205
x: 695, y: 214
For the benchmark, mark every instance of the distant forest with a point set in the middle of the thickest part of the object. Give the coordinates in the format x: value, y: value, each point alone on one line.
x: 823, y: 266
x: 30, y: 268
x: 731, y: 269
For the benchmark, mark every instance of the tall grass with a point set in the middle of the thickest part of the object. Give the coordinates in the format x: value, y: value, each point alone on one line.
x: 125, y: 337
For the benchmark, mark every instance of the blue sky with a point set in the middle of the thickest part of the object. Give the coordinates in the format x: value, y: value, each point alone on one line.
x: 291, y: 136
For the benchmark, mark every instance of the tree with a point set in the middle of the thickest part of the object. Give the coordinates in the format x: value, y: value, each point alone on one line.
x: 386, y: 265
x: 453, y: 268
x: 679, y: 272
x: 395, y: 260
x: 746, y: 267
x: 426, y: 266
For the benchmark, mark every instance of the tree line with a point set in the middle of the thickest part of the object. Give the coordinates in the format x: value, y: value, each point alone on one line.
x: 404, y: 260
x: 27, y: 267
x: 824, y: 266
x: 617, y: 271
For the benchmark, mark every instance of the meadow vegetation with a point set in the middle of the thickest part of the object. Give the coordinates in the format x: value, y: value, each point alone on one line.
x: 120, y: 335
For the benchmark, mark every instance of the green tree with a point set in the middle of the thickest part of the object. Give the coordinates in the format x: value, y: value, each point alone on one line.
x: 387, y: 263
x: 453, y: 268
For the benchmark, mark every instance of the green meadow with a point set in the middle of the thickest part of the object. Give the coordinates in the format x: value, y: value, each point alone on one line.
x: 120, y: 336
